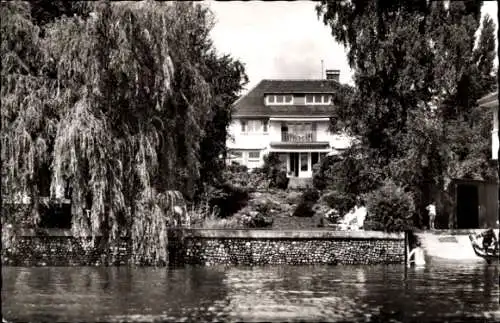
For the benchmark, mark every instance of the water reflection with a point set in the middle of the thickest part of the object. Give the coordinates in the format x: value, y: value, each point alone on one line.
x: 301, y: 293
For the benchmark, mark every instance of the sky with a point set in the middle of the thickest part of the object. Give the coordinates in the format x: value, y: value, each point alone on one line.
x: 283, y: 39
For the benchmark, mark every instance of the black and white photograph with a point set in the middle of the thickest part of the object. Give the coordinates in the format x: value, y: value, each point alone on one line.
x: 249, y: 161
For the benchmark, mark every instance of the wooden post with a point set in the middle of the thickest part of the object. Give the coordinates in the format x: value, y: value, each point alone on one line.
x: 407, y: 260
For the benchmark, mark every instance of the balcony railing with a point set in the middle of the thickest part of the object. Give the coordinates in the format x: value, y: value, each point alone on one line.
x: 295, y: 137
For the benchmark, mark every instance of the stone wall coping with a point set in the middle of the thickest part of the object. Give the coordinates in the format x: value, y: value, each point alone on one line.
x: 44, y: 232
x: 248, y: 234
x: 288, y: 234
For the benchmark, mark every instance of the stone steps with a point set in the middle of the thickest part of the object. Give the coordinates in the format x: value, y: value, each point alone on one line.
x: 300, y: 183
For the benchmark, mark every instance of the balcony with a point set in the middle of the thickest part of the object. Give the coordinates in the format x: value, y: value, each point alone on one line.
x: 298, y: 138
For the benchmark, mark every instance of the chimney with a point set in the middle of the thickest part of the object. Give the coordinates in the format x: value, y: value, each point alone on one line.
x: 333, y: 75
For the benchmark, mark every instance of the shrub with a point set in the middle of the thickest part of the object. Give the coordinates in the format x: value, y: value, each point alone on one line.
x: 275, y: 171
x: 240, y: 176
x: 235, y: 168
x: 261, y: 221
x: 340, y: 201
x: 271, y: 162
x: 389, y: 208
x: 228, y: 199
x: 310, y: 195
x: 279, y: 180
x: 306, y: 205
x: 326, y: 173
x: 350, y: 172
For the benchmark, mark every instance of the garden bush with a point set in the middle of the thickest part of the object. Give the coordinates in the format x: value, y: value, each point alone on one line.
x: 236, y: 168
x: 326, y: 173
x: 351, y: 172
x: 240, y: 176
x: 279, y: 179
x: 275, y: 171
x: 306, y: 205
x: 228, y: 199
x: 340, y: 201
x: 271, y: 162
x: 389, y: 208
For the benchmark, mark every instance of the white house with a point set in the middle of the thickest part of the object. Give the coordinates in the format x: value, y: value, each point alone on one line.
x: 291, y: 117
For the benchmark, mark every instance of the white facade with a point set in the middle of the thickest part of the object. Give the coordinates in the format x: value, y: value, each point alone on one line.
x: 288, y: 117
x: 303, y: 141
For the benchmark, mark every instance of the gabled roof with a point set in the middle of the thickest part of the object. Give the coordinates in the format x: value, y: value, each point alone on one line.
x: 252, y: 104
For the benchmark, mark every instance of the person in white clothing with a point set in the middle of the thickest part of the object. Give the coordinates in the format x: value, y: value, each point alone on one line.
x: 418, y: 255
x: 431, y: 208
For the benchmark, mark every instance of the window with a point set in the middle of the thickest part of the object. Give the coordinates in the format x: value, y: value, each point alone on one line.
x: 254, y: 125
x: 254, y: 154
x: 279, y: 99
x: 300, y: 128
x: 318, y: 99
x: 304, y: 160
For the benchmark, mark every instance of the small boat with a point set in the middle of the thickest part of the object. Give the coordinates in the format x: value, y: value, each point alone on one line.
x: 480, y: 252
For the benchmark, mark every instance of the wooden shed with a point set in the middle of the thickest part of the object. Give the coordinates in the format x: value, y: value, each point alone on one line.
x: 475, y: 204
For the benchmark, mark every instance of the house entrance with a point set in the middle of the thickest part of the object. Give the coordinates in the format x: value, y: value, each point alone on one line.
x: 294, y: 164
x: 467, y: 207
x: 300, y: 165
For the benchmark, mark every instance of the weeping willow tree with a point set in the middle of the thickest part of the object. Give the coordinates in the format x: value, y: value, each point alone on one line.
x: 116, y: 104
x: 29, y: 120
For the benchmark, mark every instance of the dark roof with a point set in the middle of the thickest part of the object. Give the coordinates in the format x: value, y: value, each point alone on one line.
x: 252, y: 104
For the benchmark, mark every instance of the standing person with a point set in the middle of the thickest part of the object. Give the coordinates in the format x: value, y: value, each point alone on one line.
x: 418, y: 255
x: 431, y: 208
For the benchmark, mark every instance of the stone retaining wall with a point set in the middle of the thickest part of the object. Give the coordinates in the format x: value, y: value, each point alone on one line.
x: 227, y: 247
x: 260, y: 247
x: 60, y: 248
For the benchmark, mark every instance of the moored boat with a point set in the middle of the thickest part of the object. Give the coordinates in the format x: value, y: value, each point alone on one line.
x: 488, y: 255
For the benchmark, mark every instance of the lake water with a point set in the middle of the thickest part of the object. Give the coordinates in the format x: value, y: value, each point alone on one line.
x: 452, y: 293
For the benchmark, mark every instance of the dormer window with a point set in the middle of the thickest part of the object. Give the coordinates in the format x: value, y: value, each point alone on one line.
x: 319, y: 99
x: 279, y: 99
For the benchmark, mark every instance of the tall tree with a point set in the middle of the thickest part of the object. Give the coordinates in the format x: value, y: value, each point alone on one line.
x: 227, y: 77
x: 412, y: 60
x: 117, y: 103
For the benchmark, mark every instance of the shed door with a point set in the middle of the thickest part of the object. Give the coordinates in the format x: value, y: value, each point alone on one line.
x: 467, y: 207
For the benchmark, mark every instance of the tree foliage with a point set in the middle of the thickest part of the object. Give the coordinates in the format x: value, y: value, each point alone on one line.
x: 118, y: 106
x: 418, y: 76
x: 389, y: 208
